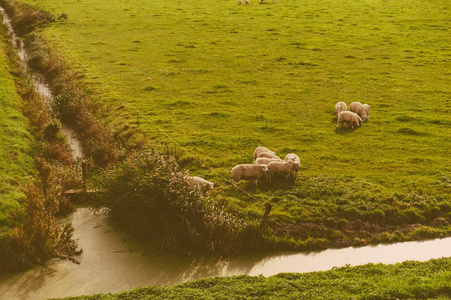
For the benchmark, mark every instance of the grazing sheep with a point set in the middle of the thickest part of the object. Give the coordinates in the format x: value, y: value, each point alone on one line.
x: 248, y: 172
x: 261, y: 149
x: 200, y: 183
x: 291, y: 157
x: 240, y: 1
x: 358, y: 108
x: 247, y: 2
x: 339, y: 107
x: 349, y: 118
x: 265, y: 160
x: 268, y: 155
x: 281, y: 168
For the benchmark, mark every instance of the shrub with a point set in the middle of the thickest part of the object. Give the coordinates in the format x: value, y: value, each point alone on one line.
x: 25, y: 16
x: 38, y: 237
x: 149, y: 195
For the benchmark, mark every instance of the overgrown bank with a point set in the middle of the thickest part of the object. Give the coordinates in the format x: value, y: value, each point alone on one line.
x: 30, y: 233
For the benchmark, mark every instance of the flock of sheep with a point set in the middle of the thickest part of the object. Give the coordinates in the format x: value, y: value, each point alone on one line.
x: 356, y: 114
x: 268, y: 165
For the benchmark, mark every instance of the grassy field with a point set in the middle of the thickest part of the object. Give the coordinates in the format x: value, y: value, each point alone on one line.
x: 16, y: 163
x: 217, y: 80
x: 409, y: 280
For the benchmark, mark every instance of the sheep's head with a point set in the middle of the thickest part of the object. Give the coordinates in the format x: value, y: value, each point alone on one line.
x: 209, y: 186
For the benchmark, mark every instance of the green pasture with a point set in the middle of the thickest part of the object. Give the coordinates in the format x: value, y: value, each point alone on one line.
x: 16, y: 163
x: 217, y: 79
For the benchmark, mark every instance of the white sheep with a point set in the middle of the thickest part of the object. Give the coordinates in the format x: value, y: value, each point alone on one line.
x: 261, y: 149
x: 200, y: 183
x: 240, y: 1
x: 349, y: 118
x: 339, y: 107
x: 250, y: 172
x: 291, y: 157
x: 265, y: 160
x: 281, y: 168
x: 358, y: 108
x: 247, y: 2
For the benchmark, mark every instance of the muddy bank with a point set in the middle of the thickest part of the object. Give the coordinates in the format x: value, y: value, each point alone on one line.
x: 112, y: 263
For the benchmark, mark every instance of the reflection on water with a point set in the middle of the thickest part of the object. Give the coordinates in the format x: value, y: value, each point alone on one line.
x: 111, y: 263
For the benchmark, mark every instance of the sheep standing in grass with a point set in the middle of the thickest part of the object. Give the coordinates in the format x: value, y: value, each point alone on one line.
x: 247, y: 2
x: 261, y: 149
x: 349, y: 118
x: 281, y: 168
x: 201, y: 184
x: 249, y: 172
x: 291, y: 157
x: 240, y: 1
x: 339, y: 107
x: 359, y: 109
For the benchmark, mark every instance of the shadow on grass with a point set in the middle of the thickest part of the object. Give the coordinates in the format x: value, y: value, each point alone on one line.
x: 346, y: 130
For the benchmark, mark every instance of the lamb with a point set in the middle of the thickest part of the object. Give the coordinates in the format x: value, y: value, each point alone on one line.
x: 359, y: 109
x: 339, y: 107
x: 349, y: 118
x: 281, y: 168
x: 261, y: 149
x: 291, y: 157
x: 200, y: 183
x: 248, y: 172
x: 265, y: 160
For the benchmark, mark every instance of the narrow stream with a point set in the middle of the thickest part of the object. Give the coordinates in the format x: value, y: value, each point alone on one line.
x: 40, y: 87
x: 112, y: 263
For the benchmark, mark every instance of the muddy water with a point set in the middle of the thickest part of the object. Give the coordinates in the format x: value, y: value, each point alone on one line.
x: 112, y: 263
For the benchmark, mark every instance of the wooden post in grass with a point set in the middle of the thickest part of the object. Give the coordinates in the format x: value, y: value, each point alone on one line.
x: 84, y: 173
x: 268, y: 208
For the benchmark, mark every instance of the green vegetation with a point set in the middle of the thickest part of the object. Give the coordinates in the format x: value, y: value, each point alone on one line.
x: 408, y: 280
x: 16, y: 163
x: 216, y: 80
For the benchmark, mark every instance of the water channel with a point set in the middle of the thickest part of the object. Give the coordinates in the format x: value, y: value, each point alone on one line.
x: 112, y: 263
